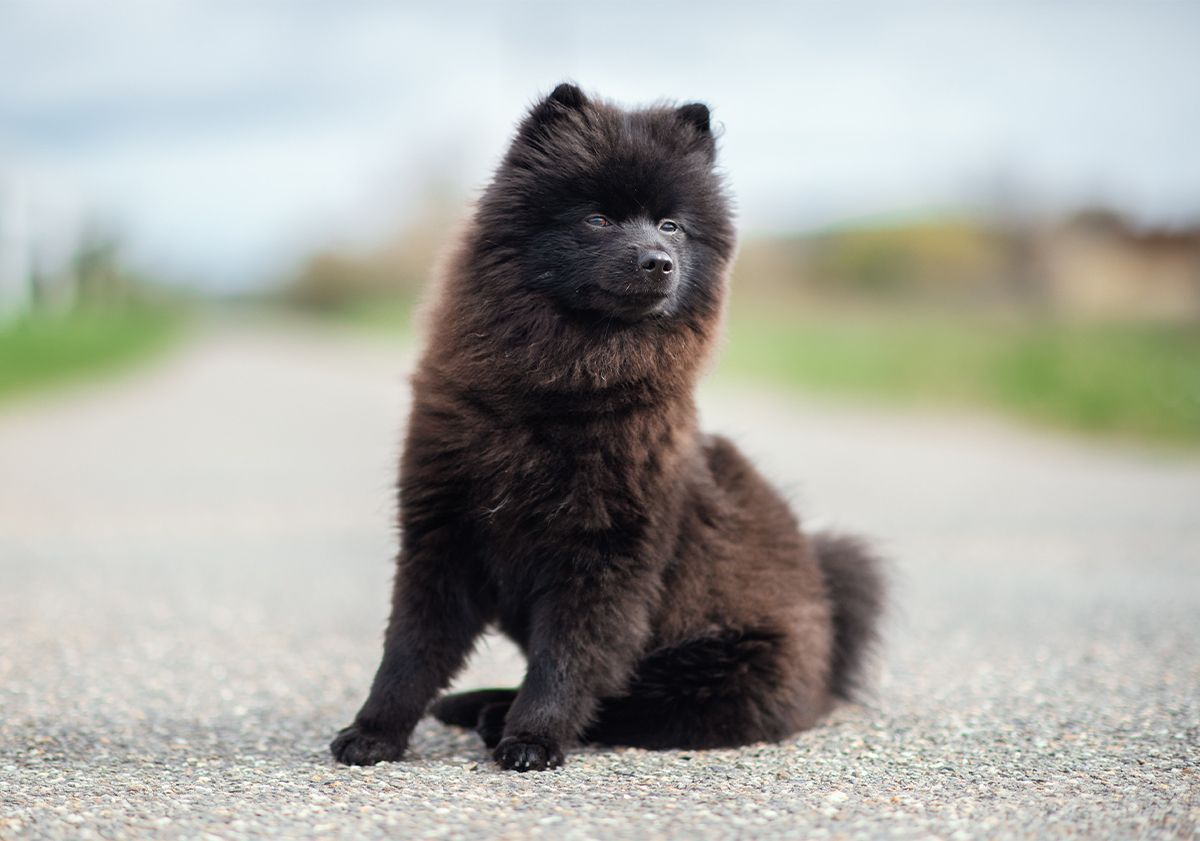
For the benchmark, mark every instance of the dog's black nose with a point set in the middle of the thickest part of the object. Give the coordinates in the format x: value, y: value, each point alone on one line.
x: 656, y: 263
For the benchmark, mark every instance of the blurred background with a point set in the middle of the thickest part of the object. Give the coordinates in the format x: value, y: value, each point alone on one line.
x: 965, y: 322
x: 994, y: 206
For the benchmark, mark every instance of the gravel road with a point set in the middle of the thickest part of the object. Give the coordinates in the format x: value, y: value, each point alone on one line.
x: 194, y: 563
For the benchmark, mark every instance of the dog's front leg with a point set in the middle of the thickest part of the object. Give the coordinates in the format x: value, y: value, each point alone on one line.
x: 435, y: 621
x: 586, y: 637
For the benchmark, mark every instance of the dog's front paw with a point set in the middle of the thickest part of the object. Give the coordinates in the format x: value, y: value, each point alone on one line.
x: 354, y: 746
x: 528, y: 753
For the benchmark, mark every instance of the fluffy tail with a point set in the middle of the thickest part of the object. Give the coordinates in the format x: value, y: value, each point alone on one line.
x: 462, y: 709
x: 854, y: 578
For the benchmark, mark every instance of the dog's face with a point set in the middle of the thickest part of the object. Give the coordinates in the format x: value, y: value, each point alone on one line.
x: 617, y: 214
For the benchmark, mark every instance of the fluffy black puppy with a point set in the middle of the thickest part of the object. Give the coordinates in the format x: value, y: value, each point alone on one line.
x: 554, y: 482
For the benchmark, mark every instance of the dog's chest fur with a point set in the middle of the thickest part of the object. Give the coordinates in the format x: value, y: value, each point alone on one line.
x: 572, y: 475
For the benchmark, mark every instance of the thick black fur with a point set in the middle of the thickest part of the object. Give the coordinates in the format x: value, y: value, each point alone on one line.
x: 555, y: 485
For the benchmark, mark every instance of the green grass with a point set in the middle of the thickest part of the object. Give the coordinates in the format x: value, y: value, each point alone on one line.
x: 44, y: 350
x: 1136, y: 381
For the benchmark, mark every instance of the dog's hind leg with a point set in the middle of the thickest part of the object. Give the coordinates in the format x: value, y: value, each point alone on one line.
x: 731, y: 688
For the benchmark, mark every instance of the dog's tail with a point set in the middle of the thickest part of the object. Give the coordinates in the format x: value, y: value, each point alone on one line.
x: 462, y: 709
x: 854, y: 579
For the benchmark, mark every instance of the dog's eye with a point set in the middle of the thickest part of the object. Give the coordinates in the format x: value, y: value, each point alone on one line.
x: 598, y: 221
x: 667, y: 226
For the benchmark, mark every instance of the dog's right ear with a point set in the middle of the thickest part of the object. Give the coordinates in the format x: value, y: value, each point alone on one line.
x: 561, y: 102
x: 567, y: 95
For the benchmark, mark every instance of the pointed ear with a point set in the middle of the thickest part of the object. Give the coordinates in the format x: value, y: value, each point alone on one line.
x: 568, y: 95
x: 696, y: 115
x: 562, y: 100
x: 538, y: 126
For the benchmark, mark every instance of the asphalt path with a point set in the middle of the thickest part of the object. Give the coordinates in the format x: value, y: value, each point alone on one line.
x: 194, y: 573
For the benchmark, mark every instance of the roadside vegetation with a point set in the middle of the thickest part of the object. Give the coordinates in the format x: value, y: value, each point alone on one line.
x: 92, y: 318
x: 1124, y: 380
x: 40, y: 351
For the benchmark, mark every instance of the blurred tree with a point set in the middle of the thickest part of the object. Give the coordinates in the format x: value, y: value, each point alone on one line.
x: 397, y: 268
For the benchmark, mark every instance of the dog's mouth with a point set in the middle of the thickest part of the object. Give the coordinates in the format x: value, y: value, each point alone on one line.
x: 640, y: 291
x: 639, y: 302
x: 636, y: 307
x: 645, y: 297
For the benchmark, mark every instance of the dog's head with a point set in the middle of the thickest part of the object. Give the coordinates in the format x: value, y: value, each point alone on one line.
x: 610, y: 212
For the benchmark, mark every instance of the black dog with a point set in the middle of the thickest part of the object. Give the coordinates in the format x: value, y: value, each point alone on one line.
x: 554, y: 481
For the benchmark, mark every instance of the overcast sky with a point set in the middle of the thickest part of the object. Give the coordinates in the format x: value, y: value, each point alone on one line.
x: 224, y: 139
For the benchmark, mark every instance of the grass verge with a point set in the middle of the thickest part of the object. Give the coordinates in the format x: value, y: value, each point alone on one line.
x: 43, y: 350
x: 1134, y: 381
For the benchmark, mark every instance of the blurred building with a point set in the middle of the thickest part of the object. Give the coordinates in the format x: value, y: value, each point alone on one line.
x: 1096, y: 266
x: 1090, y: 266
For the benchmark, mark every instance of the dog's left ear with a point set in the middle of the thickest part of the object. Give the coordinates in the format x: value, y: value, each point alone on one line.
x: 696, y: 116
